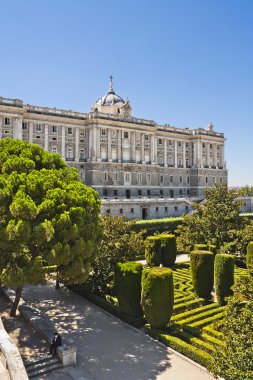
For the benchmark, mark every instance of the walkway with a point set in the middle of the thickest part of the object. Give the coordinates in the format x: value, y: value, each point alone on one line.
x: 107, y: 349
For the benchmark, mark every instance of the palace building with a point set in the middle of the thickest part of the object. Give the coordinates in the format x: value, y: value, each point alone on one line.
x: 139, y: 168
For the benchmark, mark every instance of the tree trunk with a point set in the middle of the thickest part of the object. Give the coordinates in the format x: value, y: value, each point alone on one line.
x: 16, y: 302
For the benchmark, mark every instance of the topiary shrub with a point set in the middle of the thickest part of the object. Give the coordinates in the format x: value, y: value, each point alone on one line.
x: 128, y: 287
x: 153, y: 251
x: 168, y: 250
x: 201, y: 247
x: 249, y: 256
x: 157, y: 296
x: 223, y: 276
x: 205, y: 247
x: 202, y: 265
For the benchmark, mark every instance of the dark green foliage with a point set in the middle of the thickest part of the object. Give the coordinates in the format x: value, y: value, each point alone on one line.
x: 153, y: 226
x: 249, y: 257
x: 157, y: 296
x: 153, y: 251
x: 48, y: 217
x: 234, y: 361
x: 216, y: 221
x: 119, y: 244
x: 168, y: 250
x: 202, y: 266
x: 223, y: 276
x: 128, y: 287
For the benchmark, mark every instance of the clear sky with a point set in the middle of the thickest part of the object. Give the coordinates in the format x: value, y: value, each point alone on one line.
x: 181, y: 62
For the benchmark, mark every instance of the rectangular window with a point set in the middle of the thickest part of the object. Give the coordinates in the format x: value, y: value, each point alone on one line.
x: 115, y: 192
x: 161, y: 178
x: 103, y: 132
x: 54, y: 129
x: 206, y: 179
x: 7, y: 121
x: 220, y: 179
x: 115, y: 176
x: 160, y: 141
x: 146, y: 137
x: 170, y: 142
x: 180, y: 179
x: 82, y: 154
x: 165, y: 208
x: 105, y: 192
x: 125, y: 135
x: 171, y: 178
x: 148, y: 177
x: 148, y: 193
x: 54, y: 150
x: 157, y: 209
x: 70, y: 153
x: 139, y: 192
x: 38, y: 128
x: 139, y: 177
x: 161, y: 192
x: 132, y: 211
x: 70, y: 131
x: 187, y: 145
x: 211, y: 147
x: 105, y: 176
x: 179, y: 143
x: 121, y: 210
x: 203, y: 145
x: 180, y: 192
x: 188, y: 179
x: 24, y: 126
x: 82, y: 132
x: 214, y: 179
x: 175, y: 208
x: 127, y: 177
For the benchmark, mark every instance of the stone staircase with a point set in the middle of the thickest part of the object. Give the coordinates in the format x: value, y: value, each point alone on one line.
x: 42, y: 366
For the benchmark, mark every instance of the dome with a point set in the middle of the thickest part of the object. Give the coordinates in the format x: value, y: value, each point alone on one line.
x: 110, y: 98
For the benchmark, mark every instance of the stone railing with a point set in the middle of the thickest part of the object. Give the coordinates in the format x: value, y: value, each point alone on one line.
x: 11, y: 364
x: 11, y: 102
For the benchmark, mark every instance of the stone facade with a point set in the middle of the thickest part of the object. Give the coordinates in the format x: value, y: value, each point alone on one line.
x: 120, y: 156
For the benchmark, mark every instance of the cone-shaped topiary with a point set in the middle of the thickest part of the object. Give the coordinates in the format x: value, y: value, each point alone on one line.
x: 168, y: 250
x: 223, y: 276
x: 157, y: 296
x: 128, y: 287
x: 249, y: 256
x: 202, y: 265
x: 153, y: 251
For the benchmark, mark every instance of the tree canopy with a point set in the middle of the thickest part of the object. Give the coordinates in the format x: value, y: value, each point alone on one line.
x: 234, y: 361
x: 48, y: 217
x: 215, y: 221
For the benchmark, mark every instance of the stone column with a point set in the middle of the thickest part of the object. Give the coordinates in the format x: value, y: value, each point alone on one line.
x: 77, y: 145
x: 119, y: 147
x: 215, y: 155
x: 46, y: 137
x: 208, y: 155
x: 133, y: 156
x: 98, y: 134
x: 222, y: 155
x: 30, y: 132
x: 152, y: 149
x: 155, y: 150
x: 199, y: 154
x: 175, y: 160
x: 109, y: 145
x: 165, y: 152
x: 184, y: 161
x: 142, y: 148
x: 1, y: 127
x: 63, y: 154
x: 17, y: 128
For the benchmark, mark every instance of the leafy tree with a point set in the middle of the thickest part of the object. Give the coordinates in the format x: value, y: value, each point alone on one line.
x: 48, y: 218
x: 234, y: 361
x: 246, y: 191
x: 120, y: 244
x: 215, y: 221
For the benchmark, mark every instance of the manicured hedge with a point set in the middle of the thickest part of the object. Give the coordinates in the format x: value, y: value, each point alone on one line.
x: 128, y: 287
x: 153, y: 251
x: 223, y: 276
x: 168, y: 250
x: 157, y: 296
x: 179, y: 345
x: 158, y: 225
x: 202, y: 266
x: 249, y: 256
x: 205, y: 247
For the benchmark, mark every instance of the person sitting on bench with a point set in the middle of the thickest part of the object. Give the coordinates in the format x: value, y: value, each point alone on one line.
x: 56, y: 342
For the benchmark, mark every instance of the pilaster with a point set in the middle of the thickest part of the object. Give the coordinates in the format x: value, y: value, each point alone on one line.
x: 109, y: 145
x: 46, y: 137
x: 30, y: 132
x: 175, y: 160
x: 77, y: 145
x: 17, y: 128
x: 63, y: 154
x: 142, y: 148
x: 165, y: 160
x: 1, y: 126
x: 119, y: 146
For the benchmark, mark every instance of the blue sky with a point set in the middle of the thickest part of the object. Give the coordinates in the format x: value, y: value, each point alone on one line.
x: 182, y: 62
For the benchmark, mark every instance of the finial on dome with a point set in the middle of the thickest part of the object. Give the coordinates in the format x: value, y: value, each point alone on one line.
x: 111, y: 85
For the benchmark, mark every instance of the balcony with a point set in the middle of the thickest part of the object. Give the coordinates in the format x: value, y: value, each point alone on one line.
x: 82, y: 159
